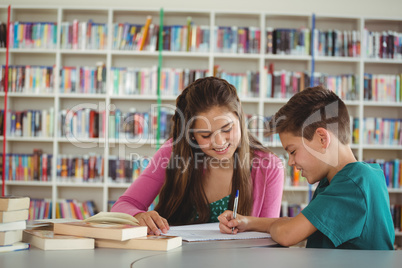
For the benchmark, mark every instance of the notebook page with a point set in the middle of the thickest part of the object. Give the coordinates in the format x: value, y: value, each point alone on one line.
x: 209, y: 231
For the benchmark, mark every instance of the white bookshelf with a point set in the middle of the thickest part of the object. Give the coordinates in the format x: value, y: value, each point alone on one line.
x: 104, y: 191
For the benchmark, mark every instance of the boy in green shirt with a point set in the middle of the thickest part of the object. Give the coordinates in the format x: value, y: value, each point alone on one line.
x: 350, y: 207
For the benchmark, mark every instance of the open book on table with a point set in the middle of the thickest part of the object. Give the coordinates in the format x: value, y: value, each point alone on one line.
x: 209, y: 231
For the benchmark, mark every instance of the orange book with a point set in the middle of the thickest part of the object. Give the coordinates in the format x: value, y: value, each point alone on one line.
x: 145, y: 33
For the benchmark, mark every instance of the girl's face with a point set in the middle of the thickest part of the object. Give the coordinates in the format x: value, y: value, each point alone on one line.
x: 217, y: 132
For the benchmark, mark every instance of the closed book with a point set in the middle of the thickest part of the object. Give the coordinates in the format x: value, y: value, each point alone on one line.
x: 14, y: 247
x: 47, y: 240
x: 112, y: 231
x: 16, y: 225
x: 10, y: 237
x: 14, y: 215
x: 8, y: 203
x: 150, y: 242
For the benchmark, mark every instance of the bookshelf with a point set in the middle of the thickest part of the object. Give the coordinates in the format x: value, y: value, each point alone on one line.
x: 202, y: 59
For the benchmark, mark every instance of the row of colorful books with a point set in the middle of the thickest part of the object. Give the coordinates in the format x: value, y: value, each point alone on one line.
x: 82, y: 168
x: 126, y: 170
x: 284, y: 84
x: 288, y: 41
x: 30, y: 123
x: 143, y: 81
x: 392, y: 171
x: 236, y: 39
x: 83, y: 79
x: 247, y: 84
x: 82, y: 123
x: 83, y: 35
x: 33, y: 35
x: 383, y: 45
x: 28, y: 79
x: 27, y: 167
x: 127, y: 36
x: 336, y: 43
x: 382, y: 131
x: 65, y: 208
x: 383, y: 87
x: 190, y: 37
x: 139, y: 125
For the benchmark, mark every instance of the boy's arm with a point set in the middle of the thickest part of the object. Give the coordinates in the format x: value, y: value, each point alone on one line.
x: 290, y: 231
x: 285, y: 231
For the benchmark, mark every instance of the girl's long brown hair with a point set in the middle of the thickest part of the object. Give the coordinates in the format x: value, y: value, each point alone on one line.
x: 182, y: 196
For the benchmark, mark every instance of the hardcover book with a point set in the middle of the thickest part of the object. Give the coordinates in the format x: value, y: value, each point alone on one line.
x: 112, y: 231
x: 14, y: 247
x: 10, y: 237
x: 9, y: 203
x: 14, y: 215
x: 47, y: 240
x: 150, y: 242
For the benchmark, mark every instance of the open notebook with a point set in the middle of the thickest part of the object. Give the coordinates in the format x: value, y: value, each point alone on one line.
x: 209, y: 231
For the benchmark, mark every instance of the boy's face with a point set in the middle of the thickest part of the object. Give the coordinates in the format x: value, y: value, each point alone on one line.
x: 311, y: 167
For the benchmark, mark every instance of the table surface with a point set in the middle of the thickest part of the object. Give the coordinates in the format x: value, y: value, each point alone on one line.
x: 231, y: 253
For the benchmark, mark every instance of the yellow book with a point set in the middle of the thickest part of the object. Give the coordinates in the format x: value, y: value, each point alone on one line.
x: 145, y: 33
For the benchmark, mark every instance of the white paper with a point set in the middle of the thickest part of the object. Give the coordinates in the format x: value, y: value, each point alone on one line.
x: 209, y: 231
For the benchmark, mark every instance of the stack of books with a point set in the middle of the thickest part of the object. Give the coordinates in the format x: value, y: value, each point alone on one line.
x: 13, y: 216
x: 106, y: 229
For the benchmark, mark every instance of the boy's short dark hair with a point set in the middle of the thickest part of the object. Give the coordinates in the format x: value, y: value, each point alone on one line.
x: 310, y: 109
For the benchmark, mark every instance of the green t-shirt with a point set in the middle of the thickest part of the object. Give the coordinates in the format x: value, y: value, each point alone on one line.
x: 353, y: 211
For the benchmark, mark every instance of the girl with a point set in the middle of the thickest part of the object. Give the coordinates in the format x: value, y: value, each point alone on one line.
x: 210, y: 155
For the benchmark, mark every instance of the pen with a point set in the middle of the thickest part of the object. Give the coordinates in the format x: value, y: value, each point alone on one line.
x: 236, y: 201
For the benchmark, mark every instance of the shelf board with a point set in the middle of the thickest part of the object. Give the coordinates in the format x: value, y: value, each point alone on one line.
x: 298, y: 188
x: 29, y: 183
x: 29, y: 139
x: 395, y: 190
x: 34, y: 50
x: 382, y: 103
x: 117, y: 52
x: 382, y: 147
x: 336, y: 59
x: 80, y: 184
x: 246, y: 56
x: 84, y: 51
x: 383, y: 61
x: 287, y: 57
x: 135, y: 141
x: 185, y: 54
x: 143, y: 97
x: 276, y: 100
x: 83, y: 140
x: 351, y: 102
x: 82, y: 96
x: 30, y: 95
x: 118, y: 185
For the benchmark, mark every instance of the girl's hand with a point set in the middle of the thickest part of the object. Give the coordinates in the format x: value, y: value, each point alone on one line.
x: 226, y: 222
x: 153, y: 221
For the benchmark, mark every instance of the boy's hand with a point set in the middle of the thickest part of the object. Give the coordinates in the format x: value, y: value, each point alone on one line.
x: 226, y: 222
x: 154, y: 221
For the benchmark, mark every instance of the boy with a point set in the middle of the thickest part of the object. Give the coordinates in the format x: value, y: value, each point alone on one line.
x: 350, y: 207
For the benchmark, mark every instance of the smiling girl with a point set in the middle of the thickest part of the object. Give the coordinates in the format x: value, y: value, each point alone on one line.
x: 210, y: 155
